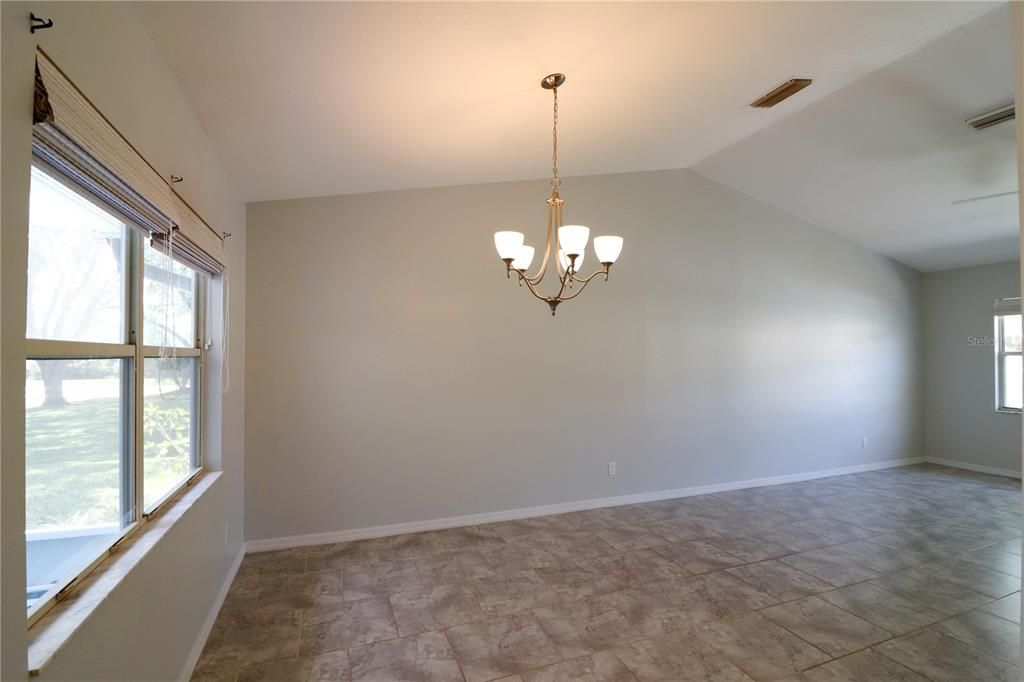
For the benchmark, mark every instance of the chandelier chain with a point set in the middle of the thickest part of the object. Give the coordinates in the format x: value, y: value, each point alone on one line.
x: 554, y: 143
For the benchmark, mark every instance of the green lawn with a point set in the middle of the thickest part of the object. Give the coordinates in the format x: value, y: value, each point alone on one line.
x: 72, y: 459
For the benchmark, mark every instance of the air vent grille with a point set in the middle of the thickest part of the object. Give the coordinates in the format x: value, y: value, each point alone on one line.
x: 991, y: 118
x: 784, y: 91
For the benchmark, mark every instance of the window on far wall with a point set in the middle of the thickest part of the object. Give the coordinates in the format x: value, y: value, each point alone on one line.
x: 1009, y: 359
x: 112, y: 378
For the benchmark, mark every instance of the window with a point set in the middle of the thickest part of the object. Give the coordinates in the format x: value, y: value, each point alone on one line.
x: 112, y: 379
x: 1009, y: 365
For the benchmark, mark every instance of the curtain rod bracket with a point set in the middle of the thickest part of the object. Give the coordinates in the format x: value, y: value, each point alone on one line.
x: 225, y: 234
x: 175, y: 179
x: 38, y: 23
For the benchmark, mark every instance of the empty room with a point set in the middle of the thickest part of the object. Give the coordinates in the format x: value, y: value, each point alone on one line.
x: 512, y: 341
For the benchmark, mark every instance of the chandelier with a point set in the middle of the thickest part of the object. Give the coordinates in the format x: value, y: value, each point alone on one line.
x: 565, y: 244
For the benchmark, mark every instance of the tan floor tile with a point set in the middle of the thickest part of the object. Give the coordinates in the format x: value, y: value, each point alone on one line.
x: 974, y: 577
x: 759, y: 647
x: 453, y: 568
x: 304, y: 591
x: 254, y: 637
x: 332, y: 666
x: 630, y: 538
x: 942, y: 658
x: 349, y: 624
x: 883, y: 608
x: 938, y: 594
x: 435, y: 608
x: 381, y: 579
x: 561, y: 597
x: 749, y: 550
x: 502, y: 646
x: 644, y: 566
x: 780, y: 580
x: 991, y: 634
x: 422, y: 658
x: 680, y: 529
x: 699, y: 556
x: 863, y: 666
x: 826, y: 626
x: 994, y: 558
x: 600, y: 667
x: 831, y: 567
x: 514, y: 592
x: 674, y: 658
x: 582, y: 579
x: 279, y: 562
x: 586, y: 627
x: 1007, y: 607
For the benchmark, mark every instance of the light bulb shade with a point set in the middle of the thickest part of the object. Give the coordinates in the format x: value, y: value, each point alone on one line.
x: 607, y: 249
x: 508, y: 243
x: 564, y: 260
x: 523, y: 258
x: 573, y: 238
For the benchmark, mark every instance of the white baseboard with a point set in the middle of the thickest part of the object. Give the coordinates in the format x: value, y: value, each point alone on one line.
x: 969, y: 466
x: 561, y: 508
x: 211, y: 618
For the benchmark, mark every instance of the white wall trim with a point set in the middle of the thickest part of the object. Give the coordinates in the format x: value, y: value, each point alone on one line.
x: 211, y: 618
x: 560, y: 508
x: 970, y: 466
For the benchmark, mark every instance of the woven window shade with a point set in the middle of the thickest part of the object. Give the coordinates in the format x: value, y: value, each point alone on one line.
x: 73, y: 137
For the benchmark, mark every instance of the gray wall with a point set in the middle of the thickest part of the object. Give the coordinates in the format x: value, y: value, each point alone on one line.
x: 395, y: 375
x: 148, y: 626
x: 961, y: 424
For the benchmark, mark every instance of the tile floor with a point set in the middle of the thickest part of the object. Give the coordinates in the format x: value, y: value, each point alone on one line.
x: 905, y: 574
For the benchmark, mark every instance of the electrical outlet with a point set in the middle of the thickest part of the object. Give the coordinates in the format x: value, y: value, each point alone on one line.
x: 864, y: 442
x: 611, y: 468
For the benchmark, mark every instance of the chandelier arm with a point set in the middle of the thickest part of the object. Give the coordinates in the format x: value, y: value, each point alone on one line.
x: 585, y: 283
x: 558, y: 246
x: 561, y: 289
x: 536, y: 279
x: 529, y: 285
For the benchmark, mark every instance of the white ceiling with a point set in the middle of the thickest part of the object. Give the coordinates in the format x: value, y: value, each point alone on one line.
x: 310, y: 99
x: 881, y: 160
x: 307, y: 99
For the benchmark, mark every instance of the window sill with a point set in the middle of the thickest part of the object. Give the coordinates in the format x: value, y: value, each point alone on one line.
x: 1007, y: 410
x: 56, y: 627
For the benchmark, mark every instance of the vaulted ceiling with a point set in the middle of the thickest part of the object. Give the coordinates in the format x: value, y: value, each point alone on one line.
x: 309, y: 99
x: 883, y: 160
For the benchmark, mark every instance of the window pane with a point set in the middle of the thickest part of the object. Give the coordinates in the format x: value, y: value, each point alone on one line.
x: 168, y: 425
x: 168, y: 302
x: 75, y: 454
x: 76, y: 271
x: 1013, y: 382
x: 1011, y: 333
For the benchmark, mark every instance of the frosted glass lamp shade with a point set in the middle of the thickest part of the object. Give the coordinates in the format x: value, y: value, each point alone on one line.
x: 564, y: 260
x: 573, y: 238
x: 508, y: 244
x: 607, y: 249
x: 523, y: 258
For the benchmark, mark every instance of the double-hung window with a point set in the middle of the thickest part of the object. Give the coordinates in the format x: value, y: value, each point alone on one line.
x: 1009, y: 359
x: 113, y: 372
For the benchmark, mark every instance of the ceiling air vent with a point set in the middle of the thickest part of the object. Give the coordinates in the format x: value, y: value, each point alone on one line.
x: 991, y: 118
x: 784, y: 91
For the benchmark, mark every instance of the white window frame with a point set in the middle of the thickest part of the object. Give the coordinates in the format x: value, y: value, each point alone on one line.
x: 135, y: 352
x: 1000, y: 369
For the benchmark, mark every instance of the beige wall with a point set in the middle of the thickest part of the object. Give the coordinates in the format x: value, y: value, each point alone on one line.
x: 149, y: 626
x: 961, y: 424
x: 395, y: 375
